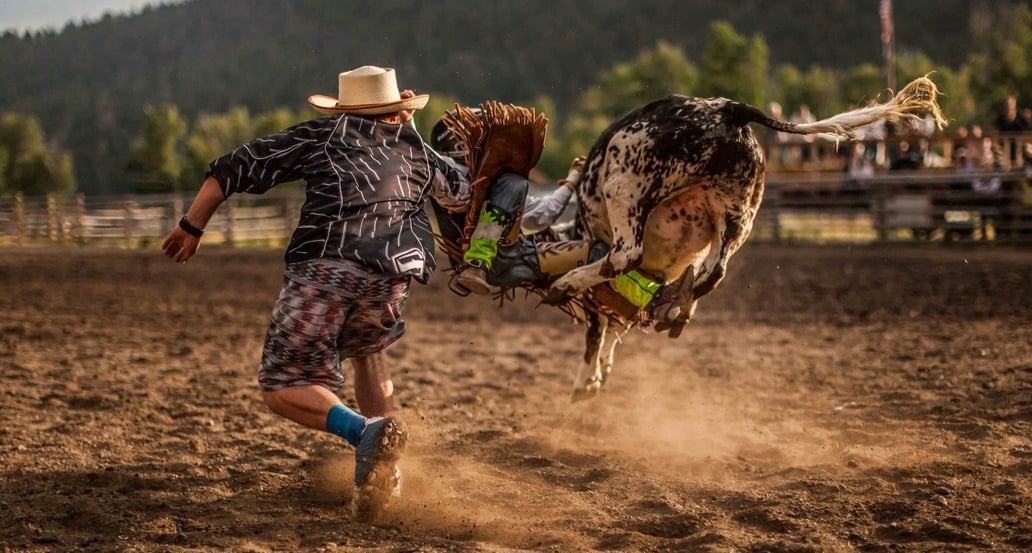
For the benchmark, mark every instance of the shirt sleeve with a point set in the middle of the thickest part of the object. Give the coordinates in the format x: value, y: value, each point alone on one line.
x: 450, y: 184
x: 259, y: 165
x: 540, y: 212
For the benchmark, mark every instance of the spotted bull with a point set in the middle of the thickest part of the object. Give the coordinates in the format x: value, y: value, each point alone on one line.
x: 673, y: 187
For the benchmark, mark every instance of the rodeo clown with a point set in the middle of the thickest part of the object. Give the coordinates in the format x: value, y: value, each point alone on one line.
x: 362, y: 236
x: 498, y: 253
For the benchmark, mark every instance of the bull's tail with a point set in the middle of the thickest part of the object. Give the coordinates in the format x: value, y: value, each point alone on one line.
x: 914, y: 101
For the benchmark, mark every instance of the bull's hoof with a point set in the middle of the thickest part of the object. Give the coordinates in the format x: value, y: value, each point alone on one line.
x: 670, y: 314
x: 672, y: 328
x: 588, y: 392
x: 589, y: 389
x: 675, y: 328
x: 674, y: 301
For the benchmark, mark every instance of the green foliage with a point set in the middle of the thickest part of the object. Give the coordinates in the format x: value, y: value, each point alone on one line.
x: 27, y: 165
x: 214, y: 135
x: 734, y: 67
x: 1004, y: 66
x: 156, y: 160
x: 958, y: 102
x: 654, y: 74
x: 425, y: 118
x: 279, y: 119
x: 862, y: 84
x: 817, y: 88
x: 88, y: 84
x: 555, y: 159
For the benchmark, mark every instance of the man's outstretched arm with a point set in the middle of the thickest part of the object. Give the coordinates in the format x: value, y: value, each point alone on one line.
x: 180, y: 245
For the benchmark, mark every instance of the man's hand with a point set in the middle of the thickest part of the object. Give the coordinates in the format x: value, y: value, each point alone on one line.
x: 180, y: 246
x: 578, y: 164
x: 576, y: 168
x: 406, y: 115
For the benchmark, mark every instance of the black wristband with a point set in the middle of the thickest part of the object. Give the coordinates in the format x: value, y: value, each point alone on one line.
x: 190, y: 229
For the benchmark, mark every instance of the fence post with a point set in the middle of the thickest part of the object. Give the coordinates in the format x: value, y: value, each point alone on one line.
x: 772, y: 203
x: 130, y: 222
x: 79, y: 223
x: 230, y: 217
x: 177, y: 211
x: 880, y: 204
x: 19, y: 218
x: 52, y: 223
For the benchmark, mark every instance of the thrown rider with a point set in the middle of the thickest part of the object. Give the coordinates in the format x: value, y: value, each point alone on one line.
x: 500, y: 254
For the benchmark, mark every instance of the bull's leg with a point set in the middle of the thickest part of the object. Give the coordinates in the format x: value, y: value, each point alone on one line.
x: 675, y: 298
x: 728, y: 238
x: 676, y: 304
x: 628, y: 224
x: 615, y: 337
x: 590, y: 377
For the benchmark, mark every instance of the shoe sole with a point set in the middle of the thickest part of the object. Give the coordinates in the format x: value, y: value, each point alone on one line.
x: 371, y: 499
x: 478, y: 287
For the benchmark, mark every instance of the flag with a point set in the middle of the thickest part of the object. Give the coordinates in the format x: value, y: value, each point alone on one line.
x: 885, y: 14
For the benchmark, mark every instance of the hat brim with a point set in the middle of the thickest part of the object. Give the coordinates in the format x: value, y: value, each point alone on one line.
x: 328, y: 105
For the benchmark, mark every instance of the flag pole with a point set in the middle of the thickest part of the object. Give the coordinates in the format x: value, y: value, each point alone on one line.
x: 887, y: 39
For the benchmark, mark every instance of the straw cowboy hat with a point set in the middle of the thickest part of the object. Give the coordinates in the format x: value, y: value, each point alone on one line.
x: 368, y: 90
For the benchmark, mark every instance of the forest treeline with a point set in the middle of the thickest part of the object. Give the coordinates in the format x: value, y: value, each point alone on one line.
x: 142, y: 102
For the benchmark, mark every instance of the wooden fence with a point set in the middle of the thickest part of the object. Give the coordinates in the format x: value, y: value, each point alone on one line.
x: 898, y: 206
x: 823, y: 207
x: 143, y: 220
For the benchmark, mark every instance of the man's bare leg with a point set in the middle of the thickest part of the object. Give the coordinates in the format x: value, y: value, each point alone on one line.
x: 306, y: 405
x: 374, y: 389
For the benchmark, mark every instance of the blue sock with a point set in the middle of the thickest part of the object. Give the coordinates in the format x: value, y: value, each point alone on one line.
x: 345, y: 423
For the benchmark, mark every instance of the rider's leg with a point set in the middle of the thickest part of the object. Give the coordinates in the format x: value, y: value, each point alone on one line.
x: 541, y: 263
x: 497, y: 220
x: 557, y: 258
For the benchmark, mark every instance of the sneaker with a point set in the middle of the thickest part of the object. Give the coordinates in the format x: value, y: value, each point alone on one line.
x: 377, y: 477
x: 474, y: 278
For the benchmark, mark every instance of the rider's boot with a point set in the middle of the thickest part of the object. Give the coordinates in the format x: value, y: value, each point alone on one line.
x: 479, y: 257
x: 525, y: 262
x: 473, y: 277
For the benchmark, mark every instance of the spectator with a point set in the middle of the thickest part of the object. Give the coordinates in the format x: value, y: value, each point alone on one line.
x: 906, y: 159
x: 973, y: 146
x: 929, y: 157
x: 860, y: 164
x: 803, y: 115
x: 777, y: 140
x: 1010, y: 121
x: 959, y: 146
x: 960, y: 137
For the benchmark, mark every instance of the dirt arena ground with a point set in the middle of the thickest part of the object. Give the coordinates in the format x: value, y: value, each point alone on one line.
x: 824, y: 399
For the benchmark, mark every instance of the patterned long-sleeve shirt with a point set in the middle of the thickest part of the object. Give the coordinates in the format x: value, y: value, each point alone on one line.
x: 366, y: 183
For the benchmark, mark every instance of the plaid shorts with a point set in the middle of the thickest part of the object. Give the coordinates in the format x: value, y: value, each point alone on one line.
x: 327, y: 311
